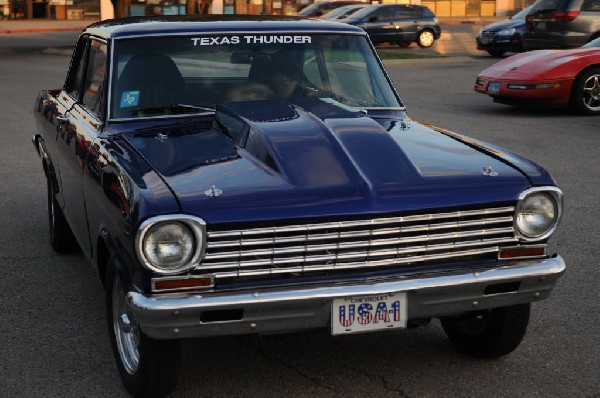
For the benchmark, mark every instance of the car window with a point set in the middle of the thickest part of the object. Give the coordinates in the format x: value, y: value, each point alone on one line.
x: 74, y: 81
x: 95, y: 78
x: 406, y: 12
x: 185, y: 75
x: 590, y: 5
x: 383, y: 14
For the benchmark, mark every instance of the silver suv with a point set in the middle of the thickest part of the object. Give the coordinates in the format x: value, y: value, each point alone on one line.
x: 561, y: 24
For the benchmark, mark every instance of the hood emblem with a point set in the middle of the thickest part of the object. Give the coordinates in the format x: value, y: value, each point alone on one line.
x: 162, y: 137
x: 213, y: 192
x: 489, y: 172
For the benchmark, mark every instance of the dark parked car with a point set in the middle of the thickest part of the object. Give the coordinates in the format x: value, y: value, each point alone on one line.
x: 562, y: 24
x: 323, y: 7
x: 230, y: 175
x: 398, y: 23
x: 503, y: 36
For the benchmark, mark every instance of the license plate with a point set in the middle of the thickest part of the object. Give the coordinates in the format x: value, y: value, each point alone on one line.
x: 484, y: 40
x: 368, y: 313
x: 540, y: 26
x: 494, y: 87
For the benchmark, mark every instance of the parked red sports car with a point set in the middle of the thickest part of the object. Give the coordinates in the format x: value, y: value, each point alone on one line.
x: 547, y: 77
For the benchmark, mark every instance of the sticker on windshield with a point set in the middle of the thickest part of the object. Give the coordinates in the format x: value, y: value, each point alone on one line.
x: 254, y: 39
x: 130, y: 98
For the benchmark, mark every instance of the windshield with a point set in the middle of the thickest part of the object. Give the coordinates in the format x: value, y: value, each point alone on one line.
x: 593, y: 43
x: 308, y: 11
x: 163, y: 76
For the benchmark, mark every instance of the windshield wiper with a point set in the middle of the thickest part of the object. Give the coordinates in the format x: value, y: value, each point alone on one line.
x: 172, y: 109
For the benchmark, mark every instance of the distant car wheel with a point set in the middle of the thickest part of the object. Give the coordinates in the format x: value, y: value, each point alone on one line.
x: 148, y: 367
x: 404, y: 44
x: 496, y: 53
x: 425, y: 39
x: 585, y: 96
x: 489, y: 333
x: 61, y: 237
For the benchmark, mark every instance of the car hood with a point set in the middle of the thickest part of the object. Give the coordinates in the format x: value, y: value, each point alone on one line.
x: 322, y: 160
x: 518, y: 24
x: 540, y: 63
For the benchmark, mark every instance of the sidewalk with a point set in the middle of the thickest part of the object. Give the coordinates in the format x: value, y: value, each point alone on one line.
x: 47, y: 25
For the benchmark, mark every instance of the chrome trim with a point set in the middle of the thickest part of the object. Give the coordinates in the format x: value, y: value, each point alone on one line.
x: 360, y: 223
x: 196, y: 225
x: 378, y: 242
x: 556, y: 194
x: 179, y: 278
x: 287, y: 309
x: 523, y: 257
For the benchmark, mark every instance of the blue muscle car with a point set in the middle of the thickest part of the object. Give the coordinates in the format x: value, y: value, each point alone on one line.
x: 234, y: 175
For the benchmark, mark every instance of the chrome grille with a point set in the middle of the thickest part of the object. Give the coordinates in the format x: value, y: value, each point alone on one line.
x: 378, y: 242
x: 488, y: 34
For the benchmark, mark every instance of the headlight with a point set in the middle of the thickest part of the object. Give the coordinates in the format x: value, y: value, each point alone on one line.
x: 538, y: 213
x: 507, y: 32
x: 170, y: 244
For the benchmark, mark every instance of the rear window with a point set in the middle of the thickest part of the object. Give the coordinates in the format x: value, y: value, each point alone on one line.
x: 550, y: 5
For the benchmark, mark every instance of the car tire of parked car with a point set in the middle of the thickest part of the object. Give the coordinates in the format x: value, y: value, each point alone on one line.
x: 148, y: 367
x: 489, y: 333
x: 425, y: 39
x: 496, y: 53
x: 585, y: 95
x: 61, y: 237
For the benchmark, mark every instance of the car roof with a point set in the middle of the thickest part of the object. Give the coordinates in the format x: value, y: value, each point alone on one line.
x: 185, y: 24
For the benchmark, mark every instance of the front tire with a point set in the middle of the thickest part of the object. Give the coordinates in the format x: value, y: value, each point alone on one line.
x: 425, y: 39
x: 488, y: 333
x: 148, y: 367
x: 585, y: 96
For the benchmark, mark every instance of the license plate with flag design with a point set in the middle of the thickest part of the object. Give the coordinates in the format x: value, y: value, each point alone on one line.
x: 368, y: 313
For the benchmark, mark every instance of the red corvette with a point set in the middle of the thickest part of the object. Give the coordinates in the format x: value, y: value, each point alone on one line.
x: 547, y: 77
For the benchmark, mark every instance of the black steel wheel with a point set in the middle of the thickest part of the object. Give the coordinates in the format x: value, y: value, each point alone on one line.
x: 496, y: 53
x: 585, y: 95
x: 425, y: 39
x: 488, y: 333
x: 148, y: 367
x: 60, y: 235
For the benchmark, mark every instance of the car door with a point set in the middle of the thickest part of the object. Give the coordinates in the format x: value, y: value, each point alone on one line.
x: 54, y: 106
x: 380, y: 24
x: 407, y: 22
x: 78, y: 129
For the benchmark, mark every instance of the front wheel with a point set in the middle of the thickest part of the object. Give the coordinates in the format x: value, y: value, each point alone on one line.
x: 425, y: 39
x: 148, y: 367
x: 585, y: 96
x: 488, y: 333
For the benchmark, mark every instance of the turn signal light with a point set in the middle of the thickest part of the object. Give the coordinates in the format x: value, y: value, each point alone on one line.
x: 177, y: 284
x: 522, y: 252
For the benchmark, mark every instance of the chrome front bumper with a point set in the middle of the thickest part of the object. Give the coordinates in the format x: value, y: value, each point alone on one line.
x: 292, y: 309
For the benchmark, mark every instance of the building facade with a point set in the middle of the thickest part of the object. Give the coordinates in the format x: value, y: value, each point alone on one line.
x: 90, y: 9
